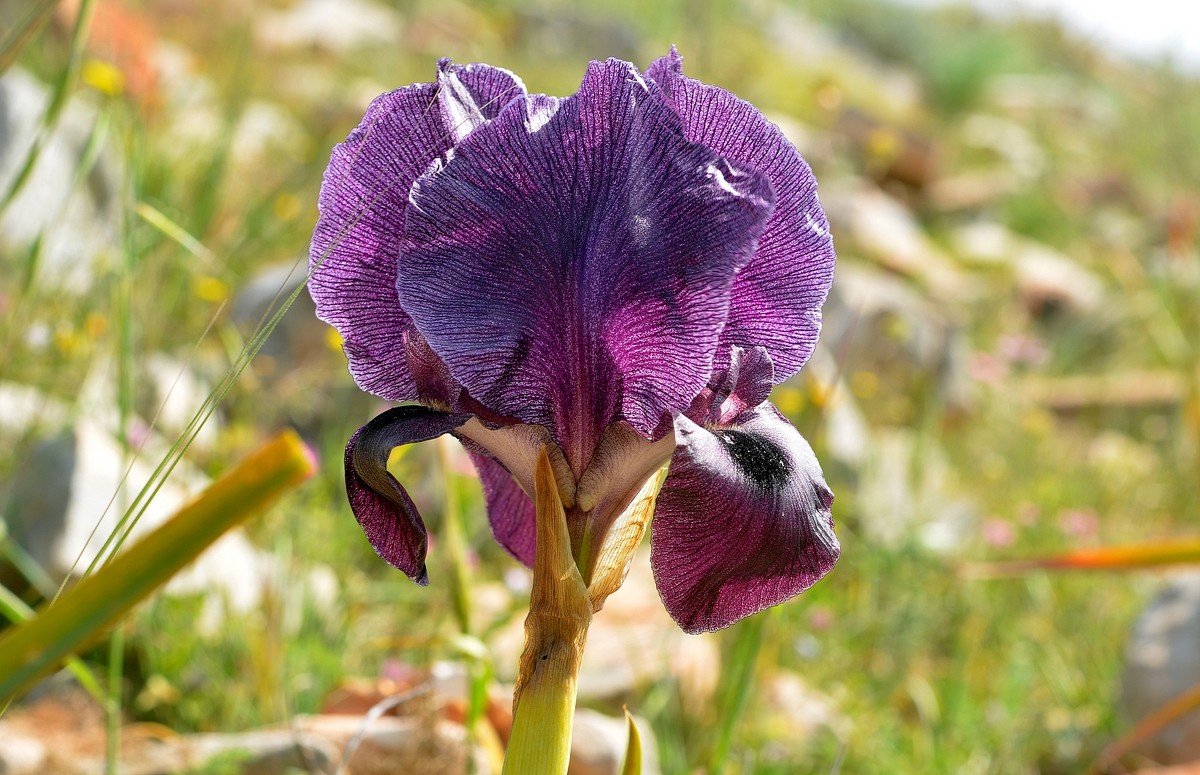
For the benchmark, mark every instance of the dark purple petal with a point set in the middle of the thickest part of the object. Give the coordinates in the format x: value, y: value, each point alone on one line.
x: 571, y: 263
x: 510, y: 511
x: 742, y: 522
x: 362, y: 203
x: 739, y: 387
x: 380, y: 504
x: 776, y: 299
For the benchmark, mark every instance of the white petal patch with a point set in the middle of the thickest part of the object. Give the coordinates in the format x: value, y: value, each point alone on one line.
x: 462, y: 114
x: 815, y: 227
x: 717, y: 176
x: 541, y: 109
x: 622, y: 462
x: 516, y: 448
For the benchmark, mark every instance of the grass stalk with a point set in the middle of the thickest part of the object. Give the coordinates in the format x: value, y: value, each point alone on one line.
x: 735, y: 691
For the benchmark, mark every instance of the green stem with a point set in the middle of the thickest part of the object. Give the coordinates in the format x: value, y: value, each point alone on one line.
x: 560, y: 613
x: 116, y: 663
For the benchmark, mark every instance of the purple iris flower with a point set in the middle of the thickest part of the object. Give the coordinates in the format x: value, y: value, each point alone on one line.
x: 622, y: 275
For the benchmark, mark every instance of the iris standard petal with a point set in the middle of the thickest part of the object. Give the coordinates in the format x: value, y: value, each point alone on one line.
x: 380, y: 504
x: 742, y: 523
x: 776, y: 299
x: 571, y: 263
x: 362, y: 204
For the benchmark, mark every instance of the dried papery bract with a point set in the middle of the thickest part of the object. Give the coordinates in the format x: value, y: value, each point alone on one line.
x: 560, y: 613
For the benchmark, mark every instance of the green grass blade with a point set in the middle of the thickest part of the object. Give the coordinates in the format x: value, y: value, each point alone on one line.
x: 27, y: 566
x: 24, y: 26
x: 175, y: 233
x: 16, y: 610
x: 736, y: 683
x: 99, y: 601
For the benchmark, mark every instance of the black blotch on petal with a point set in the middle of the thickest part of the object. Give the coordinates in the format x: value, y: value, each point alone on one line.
x: 760, y: 460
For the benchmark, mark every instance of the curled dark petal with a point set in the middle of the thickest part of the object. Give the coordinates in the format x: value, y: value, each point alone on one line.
x: 380, y: 504
x: 735, y: 389
x: 743, y: 521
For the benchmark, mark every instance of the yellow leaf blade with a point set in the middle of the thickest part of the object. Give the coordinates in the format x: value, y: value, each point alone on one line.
x: 1110, y: 558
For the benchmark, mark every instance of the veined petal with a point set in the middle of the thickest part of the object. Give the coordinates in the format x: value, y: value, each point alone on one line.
x: 776, y: 299
x: 362, y: 203
x: 472, y: 94
x: 742, y: 523
x: 380, y: 504
x: 510, y: 510
x: 739, y: 387
x: 571, y: 263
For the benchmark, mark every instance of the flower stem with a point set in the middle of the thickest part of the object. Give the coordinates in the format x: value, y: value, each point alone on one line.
x: 555, y: 632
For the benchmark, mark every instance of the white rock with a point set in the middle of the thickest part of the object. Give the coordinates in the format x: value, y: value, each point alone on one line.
x: 901, y: 493
x: 876, y: 322
x: 68, y: 497
x: 24, y: 408
x: 887, y: 232
x: 798, y: 711
x: 179, y: 392
x: 1162, y: 660
x: 335, y: 25
x: 20, y: 754
x: 1009, y: 140
x: 395, y: 745
x: 265, y: 752
x: 76, y: 220
x: 266, y: 127
x: 1043, y: 275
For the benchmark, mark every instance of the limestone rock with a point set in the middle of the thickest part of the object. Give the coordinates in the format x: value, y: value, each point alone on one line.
x: 1162, y: 660
x: 334, y: 25
x: 75, y: 221
x: 887, y: 232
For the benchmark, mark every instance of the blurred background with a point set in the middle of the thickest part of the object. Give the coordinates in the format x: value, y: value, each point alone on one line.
x: 1009, y: 368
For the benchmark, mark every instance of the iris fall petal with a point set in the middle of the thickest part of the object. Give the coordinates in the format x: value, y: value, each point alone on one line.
x: 510, y: 511
x: 380, y: 504
x: 742, y: 522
